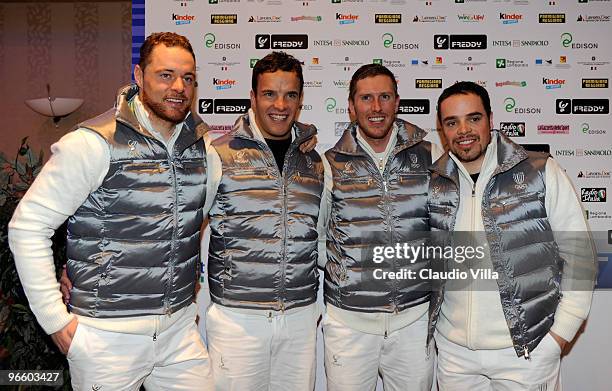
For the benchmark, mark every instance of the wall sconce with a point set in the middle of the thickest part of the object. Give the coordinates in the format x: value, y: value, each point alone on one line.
x: 54, y: 107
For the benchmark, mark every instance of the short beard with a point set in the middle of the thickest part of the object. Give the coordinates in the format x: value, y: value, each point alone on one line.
x: 161, y: 112
x: 468, y: 159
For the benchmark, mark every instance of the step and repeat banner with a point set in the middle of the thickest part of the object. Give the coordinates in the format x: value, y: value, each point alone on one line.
x: 546, y: 65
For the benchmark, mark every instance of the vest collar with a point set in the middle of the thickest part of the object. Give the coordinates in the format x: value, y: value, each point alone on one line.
x: 303, y: 132
x: 407, y: 136
x: 193, y: 129
x: 509, y: 154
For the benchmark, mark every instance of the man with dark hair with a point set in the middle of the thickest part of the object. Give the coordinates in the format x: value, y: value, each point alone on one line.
x: 261, y: 325
x: 522, y: 206
x: 376, y: 183
x: 131, y: 183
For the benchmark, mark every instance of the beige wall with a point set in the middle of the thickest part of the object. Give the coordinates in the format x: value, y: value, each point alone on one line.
x: 82, y: 49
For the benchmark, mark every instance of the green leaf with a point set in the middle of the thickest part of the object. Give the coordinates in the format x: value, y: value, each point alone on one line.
x: 20, y: 168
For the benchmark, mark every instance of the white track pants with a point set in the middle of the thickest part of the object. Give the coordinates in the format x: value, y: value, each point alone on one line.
x: 353, y: 359
x: 460, y: 368
x: 176, y: 360
x: 271, y: 351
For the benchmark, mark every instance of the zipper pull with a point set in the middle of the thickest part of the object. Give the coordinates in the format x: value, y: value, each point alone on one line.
x: 527, y: 357
x: 269, y: 316
x: 385, y: 186
x: 386, y: 334
x: 155, y: 336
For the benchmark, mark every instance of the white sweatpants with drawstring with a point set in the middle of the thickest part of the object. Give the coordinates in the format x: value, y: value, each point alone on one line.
x: 176, y: 359
x: 460, y: 368
x: 259, y: 350
x: 354, y: 359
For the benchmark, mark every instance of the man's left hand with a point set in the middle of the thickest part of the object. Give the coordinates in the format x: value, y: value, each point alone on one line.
x: 562, y: 343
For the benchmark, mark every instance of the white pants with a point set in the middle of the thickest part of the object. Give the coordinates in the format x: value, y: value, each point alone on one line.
x: 353, y: 359
x: 271, y: 351
x: 106, y: 360
x: 460, y: 368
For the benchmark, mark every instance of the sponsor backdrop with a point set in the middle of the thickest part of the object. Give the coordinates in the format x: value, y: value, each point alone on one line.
x: 546, y: 65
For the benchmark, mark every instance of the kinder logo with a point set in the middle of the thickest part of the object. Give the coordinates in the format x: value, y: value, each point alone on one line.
x: 552, y: 83
x: 281, y: 41
x: 460, y: 42
x: 593, y: 194
x: 223, y: 84
x: 594, y: 83
x: 510, y: 18
x: 182, y: 19
x: 388, y: 18
x: 223, y: 19
x: 224, y: 106
x: 513, y: 129
x: 583, y: 106
x: 551, y: 18
x: 413, y: 106
x: 346, y: 18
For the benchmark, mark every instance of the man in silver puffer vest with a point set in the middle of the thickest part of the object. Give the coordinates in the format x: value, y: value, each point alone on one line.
x: 261, y: 325
x: 375, y: 195
x: 131, y: 183
x: 538, y: 263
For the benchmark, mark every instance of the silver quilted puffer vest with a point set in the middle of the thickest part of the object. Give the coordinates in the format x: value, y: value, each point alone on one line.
x: 263, y: 244
x: 521, y: 242
x: 133, y: 245
x: 372, y: 209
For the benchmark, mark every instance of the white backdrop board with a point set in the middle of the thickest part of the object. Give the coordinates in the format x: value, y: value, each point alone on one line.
x: 546, y: 65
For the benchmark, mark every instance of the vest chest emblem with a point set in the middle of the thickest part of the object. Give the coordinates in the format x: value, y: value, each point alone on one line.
x: 519, y: 179
x: 414, y: 161
x: 133, y: 144
x: 241, y: 157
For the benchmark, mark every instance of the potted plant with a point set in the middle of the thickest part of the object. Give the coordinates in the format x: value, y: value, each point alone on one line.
x: 23, y: 343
